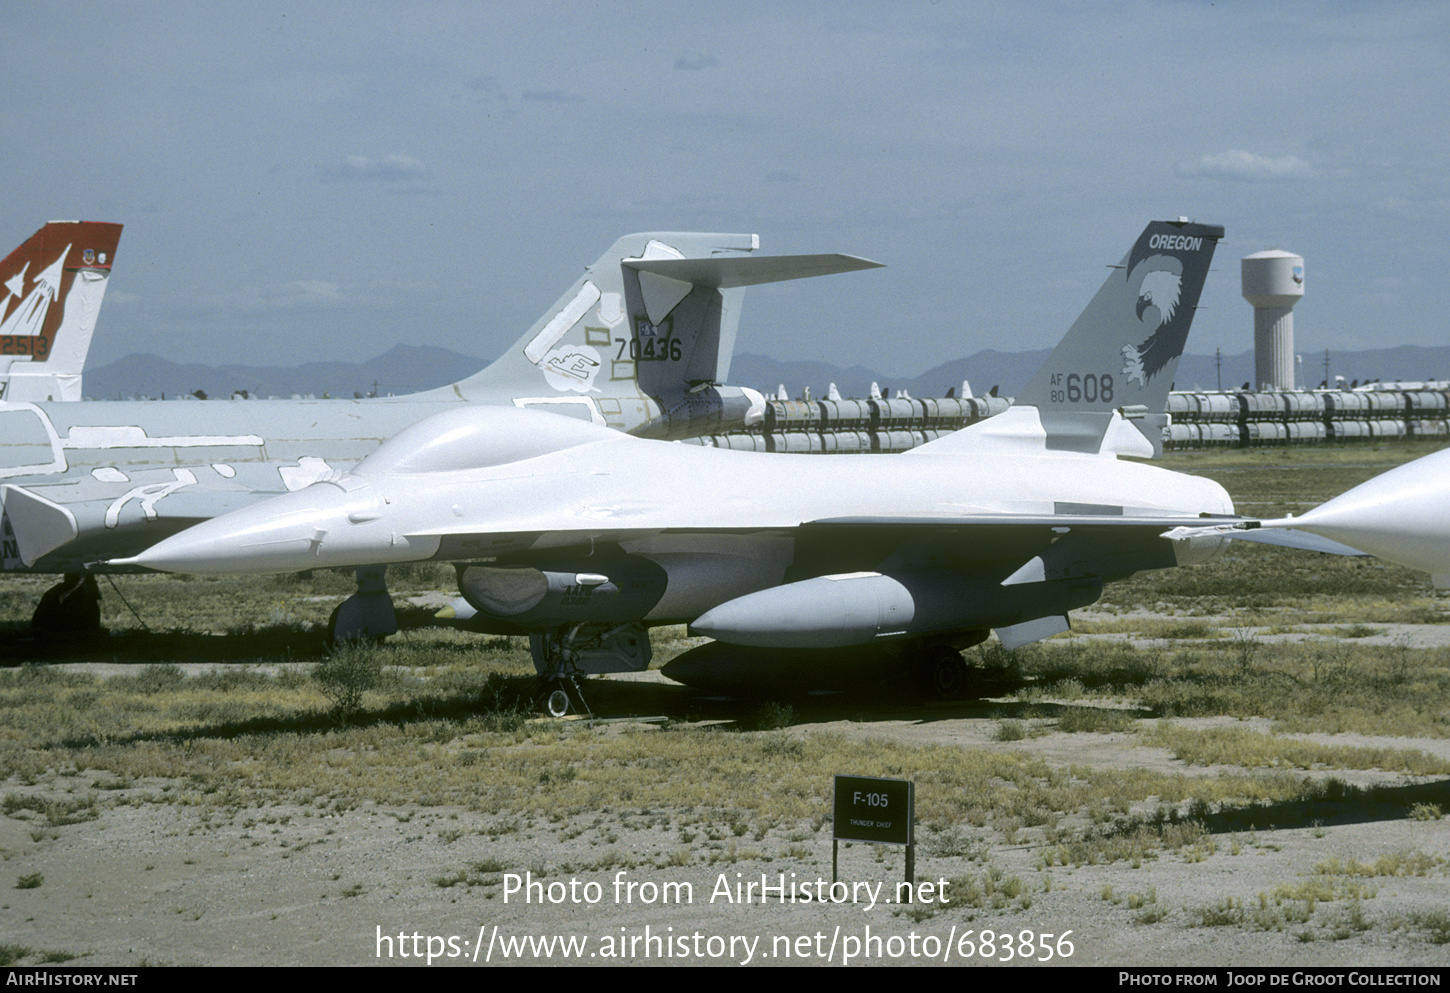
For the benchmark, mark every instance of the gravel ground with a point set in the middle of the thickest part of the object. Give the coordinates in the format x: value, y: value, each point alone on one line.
x: 173, y: 883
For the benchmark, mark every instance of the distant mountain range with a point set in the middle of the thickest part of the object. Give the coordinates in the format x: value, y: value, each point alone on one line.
x: 409, y: 368
x: 403, y: 369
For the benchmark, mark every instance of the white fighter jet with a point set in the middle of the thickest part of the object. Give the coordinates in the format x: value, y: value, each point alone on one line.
x: 640, y: 343
x: 795, y: 564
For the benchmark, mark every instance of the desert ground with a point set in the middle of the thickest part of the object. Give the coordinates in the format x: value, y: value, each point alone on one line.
x: 1243, y: 763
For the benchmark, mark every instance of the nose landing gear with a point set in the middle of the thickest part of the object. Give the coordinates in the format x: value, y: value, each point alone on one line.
x: 562, y: 695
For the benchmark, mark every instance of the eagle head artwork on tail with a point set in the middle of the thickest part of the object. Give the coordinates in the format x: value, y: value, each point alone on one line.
x: 1159, y: 282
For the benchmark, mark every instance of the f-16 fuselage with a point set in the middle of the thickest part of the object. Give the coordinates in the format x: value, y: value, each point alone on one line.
x: 573, y: 533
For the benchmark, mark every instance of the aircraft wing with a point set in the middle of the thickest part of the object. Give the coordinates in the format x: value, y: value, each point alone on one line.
x: 75, y: 519
x: 1057, y: 523
x: 1027, y: 547
x: 1043, y: 545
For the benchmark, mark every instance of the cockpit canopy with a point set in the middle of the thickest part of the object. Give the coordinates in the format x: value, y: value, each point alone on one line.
x: 476, y: 437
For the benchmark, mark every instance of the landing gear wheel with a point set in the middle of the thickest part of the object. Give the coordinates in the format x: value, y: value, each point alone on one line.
x: 557, y: 703
x: 561, y: 695
x: 341, y: 640
x: 367, y: 616
x: 943, y: 673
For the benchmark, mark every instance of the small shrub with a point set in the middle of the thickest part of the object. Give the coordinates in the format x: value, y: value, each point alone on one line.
x: 771, y: 716
x: 11, y: 953
x: 152, y: 679
x: 954, y: 842
x: 1435, y: 924
x: 1011, y: 731
x: 344, y: 677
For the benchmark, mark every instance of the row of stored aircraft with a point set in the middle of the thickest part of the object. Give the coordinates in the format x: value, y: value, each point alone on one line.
x: 571, y: 518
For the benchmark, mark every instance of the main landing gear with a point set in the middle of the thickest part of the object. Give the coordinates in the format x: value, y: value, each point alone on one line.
x: 942, y: 674
x: 565, y: 655
x: 71, y: 608
x: 368, y: 614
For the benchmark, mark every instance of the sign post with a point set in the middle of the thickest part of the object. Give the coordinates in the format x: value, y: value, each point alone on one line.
x: 880, y: 811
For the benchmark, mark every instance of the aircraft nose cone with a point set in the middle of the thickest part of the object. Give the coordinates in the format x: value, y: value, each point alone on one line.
x: 325, y: 525
x: 284, y: 534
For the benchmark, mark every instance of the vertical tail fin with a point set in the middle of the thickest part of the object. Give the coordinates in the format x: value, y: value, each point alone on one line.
x: 643, y: 340
x: 1116, y: 363
x: 50, y: 293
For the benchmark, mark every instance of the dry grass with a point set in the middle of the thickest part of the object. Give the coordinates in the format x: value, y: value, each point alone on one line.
x: 1314, y: 685
x: 1249, y: 749
x: 439, y: 734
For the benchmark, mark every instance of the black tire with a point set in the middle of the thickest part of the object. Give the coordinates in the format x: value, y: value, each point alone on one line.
x: 942, y: 672
x: 334, y: 642
x: 70, y: 608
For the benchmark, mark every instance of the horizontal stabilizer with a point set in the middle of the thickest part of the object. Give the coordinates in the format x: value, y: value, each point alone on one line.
x: 1249, y: 530
x: 729, y: 272
x: 40, y: 525
x: 1293, y: 538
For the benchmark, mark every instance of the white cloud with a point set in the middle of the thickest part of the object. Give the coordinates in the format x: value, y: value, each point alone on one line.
x: 368, y: 168
x: 308, y: 292
x: 1237, y: 164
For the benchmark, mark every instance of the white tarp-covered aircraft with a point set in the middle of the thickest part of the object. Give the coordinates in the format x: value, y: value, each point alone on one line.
x: 794, y: 564
x: 641, y: 343
x: 51, y: 289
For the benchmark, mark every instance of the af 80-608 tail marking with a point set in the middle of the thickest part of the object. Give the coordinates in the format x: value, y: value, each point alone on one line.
x: 1105, y: 386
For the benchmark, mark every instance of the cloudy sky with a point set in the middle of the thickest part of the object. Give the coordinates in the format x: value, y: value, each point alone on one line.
x: 323, y: 180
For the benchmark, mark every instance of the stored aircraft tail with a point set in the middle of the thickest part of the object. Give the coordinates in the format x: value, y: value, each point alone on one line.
x: 50, y: 293
x: 643, y: 340
x: 1104, y: 387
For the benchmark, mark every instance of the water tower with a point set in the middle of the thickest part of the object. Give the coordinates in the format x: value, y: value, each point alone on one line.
x: 1273, y: 282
